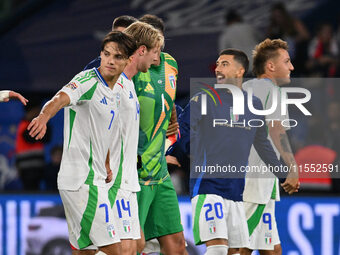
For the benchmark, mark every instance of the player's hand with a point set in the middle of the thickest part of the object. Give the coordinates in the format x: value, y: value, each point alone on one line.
x: 172, y: 129
x: 172, y: 160
x: 37, y: 128
x: 109, y: 176
x: 292, y: 184
x: 18, y: 96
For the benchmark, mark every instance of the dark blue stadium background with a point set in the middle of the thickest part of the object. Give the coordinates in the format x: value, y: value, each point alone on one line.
x: 43, y: 44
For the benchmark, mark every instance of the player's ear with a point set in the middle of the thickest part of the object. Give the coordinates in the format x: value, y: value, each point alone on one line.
x: 270, y: 66
x: 141, y: 50
x: 240, y: 72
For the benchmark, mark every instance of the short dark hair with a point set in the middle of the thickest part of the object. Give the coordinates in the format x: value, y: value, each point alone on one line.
x: 239, y: 57
x: 154, y: 21
x: 125, y: 42
x: 123, y: 21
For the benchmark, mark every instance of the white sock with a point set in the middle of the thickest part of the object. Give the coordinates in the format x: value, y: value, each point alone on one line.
x: 217, y: 250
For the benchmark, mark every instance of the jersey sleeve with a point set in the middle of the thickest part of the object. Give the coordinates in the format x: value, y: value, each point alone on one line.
x: 79, y: 87
x: 184, y: 127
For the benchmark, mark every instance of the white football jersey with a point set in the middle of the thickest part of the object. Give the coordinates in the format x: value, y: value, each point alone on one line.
x: 125, y: 175
x: 90, y: 122
x: 259, y: 190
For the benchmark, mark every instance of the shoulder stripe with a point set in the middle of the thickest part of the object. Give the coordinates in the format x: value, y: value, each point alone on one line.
x: 89, y: 94
x: 87, y: 76
x: 168, y: 57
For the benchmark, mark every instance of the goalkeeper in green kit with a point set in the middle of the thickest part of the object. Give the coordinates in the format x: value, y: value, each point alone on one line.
x: 157, y: 201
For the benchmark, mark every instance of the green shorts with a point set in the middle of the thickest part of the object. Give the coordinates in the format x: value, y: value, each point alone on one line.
x: 158, y: 210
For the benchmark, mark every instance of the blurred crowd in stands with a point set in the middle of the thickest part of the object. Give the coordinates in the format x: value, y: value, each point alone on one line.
x: 315, y: 56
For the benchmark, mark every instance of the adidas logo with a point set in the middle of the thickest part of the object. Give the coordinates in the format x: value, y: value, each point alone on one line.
x: 131, y: 96
x: 103, y: 101
x: 148, y: 88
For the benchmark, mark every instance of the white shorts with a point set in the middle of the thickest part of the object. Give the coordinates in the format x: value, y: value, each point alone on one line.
x: 216, y: 217
x: 262, y: 225
x: 126, y: 215
x: 89, y: 218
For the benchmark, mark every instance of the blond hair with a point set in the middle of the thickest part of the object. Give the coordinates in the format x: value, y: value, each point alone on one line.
x: 145, y: 34
x: 267, y: 49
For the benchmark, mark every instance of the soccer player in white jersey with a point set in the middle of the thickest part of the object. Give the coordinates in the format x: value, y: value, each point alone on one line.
x: 6, y: 95
x: 272, y: 67
x: 126, y: 184
x: 90, y: 124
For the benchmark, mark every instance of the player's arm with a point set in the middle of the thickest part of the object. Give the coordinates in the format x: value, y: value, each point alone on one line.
x: 173, y: 124
x: 108, y: 169
x: 179, y: 151
x: 6, y: 95
x: 281, y: 142
x: 267, y: 154
x: 37, y: 127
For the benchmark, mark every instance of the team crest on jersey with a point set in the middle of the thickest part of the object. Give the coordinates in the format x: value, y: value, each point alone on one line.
x: 126, y: 226
x: 233, y: 117
x: 172, y: 81
x: 111, y: 230
x: 71, y: 85
x: 268, y: 238
x: 212, y: 227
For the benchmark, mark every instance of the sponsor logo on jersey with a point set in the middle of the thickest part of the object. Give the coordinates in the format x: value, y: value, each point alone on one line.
x: 131, y: 96
x: 103, y: 101
x: 71, y: 85
x: 126, y: 226
x: 111, y: 230
x: 148, y: 88
x: 212, y: 227
x: 172, y: 81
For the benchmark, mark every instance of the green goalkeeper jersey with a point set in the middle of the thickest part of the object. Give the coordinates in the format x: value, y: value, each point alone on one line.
x: 156, y: 91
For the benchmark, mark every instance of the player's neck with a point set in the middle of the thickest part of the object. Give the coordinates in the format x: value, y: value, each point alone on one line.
x: 131, y: 69
x: 267, y: 76
x: 110, y: 80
